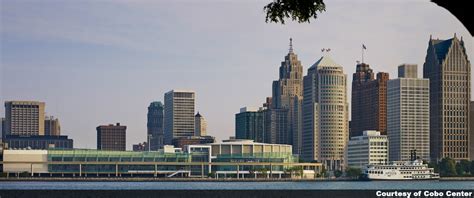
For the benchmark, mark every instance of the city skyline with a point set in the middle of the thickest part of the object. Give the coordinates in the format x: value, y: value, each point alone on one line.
x: 59, y: 70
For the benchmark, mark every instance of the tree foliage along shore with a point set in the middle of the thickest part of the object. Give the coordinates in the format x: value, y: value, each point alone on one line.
x: 448, y: 167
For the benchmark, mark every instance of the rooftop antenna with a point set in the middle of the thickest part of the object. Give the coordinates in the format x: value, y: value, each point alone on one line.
x: 363, y: 48
x: 291, y: 45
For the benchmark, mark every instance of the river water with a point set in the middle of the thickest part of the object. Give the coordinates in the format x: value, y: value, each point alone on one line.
x: 303, y: 185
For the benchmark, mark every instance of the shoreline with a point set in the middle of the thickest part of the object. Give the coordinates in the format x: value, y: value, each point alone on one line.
x: 144, y: 179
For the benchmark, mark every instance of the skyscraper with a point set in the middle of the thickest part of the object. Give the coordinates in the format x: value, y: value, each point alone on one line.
x: 275, y: 123
x: 408, y: 115
x: 24, y: 118
x: 449, y: 70
x: 325, y: 114
x: 155, y: 119
x: 369, y: 101
x: 249, y: 124
x: 52, y: 126
x: 471, y: 130
x: 200, y: 125
x: 287, y: 94
x: 111, y: 137
x: 179, y: 114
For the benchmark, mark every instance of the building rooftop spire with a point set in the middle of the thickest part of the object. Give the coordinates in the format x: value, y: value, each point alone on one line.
x: 291, y: 45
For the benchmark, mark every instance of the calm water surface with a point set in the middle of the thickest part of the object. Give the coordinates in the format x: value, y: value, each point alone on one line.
x: 372, y: 185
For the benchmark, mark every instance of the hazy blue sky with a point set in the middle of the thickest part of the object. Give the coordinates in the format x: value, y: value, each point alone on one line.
x: 100, y: 62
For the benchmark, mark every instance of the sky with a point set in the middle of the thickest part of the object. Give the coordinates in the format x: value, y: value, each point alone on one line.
x: 103, y: 61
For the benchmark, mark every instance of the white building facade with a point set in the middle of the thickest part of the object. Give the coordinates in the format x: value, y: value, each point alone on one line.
x: 370, y: 148
x: 408, y: 116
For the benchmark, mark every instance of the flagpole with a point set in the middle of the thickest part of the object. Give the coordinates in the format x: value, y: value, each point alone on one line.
x: 362, y: 49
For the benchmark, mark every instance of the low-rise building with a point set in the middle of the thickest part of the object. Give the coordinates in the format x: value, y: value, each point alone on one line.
x: 241, y: 158
x: 140, y: 147
x: 38, y: 142
x: 182, y: 142
x: 370, y: 148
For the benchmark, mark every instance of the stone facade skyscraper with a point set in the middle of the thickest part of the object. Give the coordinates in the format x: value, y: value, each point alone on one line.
x: 287, y: 94
x: 449, y: 70
x: 200, y: 125
x: 369, y: 101
x: 408, y: 115
x: 155, y: 119
x: 179, y: 114
x: 325, y: 114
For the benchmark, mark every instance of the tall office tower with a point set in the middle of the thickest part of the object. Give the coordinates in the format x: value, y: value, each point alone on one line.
x: 471, y: 130
x: 24, y: 118
x: 249, y: 124
x: 449, y: 70
x: 111, y: 137
x: 52, y: 126
x: 200, y: 125
x: 179, y: 114
x: 369, y: 101
x: 275, y: 123
x: 287, y: 94
x: 408, y: 116
x: 154, y: 125
x: 325, y: 114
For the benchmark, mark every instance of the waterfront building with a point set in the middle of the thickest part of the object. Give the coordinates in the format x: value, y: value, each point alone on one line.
x: 200, y: 125
x: 111, y: 137
x: 52, y: 126
x: 325, y: 114
x: 449, y: 70
x: 38, y: 142
x: 369, y: 101
x: 408, y: 115
x: 155, y: 119
x: 24, y: 118
x: 249, y: 124
x: 182, y: 142
x: 243, y: 158
x: 369, y: 148
x: 287, y: 94
x: 229, y: 150
x: 179, y: 114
